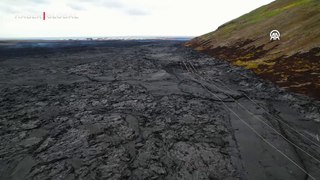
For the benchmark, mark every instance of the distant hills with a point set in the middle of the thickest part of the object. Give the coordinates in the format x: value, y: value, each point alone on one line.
x: 292, y: 63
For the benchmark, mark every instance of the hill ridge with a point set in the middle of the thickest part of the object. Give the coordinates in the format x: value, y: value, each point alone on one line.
x: 292, y: 62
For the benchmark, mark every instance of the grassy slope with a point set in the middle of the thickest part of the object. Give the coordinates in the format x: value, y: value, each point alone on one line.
x: 293, y: 62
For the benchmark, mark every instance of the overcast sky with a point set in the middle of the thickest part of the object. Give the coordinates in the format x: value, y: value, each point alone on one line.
x: 120, y: 17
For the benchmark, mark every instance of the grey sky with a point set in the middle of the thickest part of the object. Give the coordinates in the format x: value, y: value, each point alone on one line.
x: 120, y: 17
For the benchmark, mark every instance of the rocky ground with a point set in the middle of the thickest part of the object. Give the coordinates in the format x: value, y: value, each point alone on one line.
x: 148, y: 110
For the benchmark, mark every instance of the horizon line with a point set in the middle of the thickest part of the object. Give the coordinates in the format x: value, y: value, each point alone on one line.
x: 93, y: 37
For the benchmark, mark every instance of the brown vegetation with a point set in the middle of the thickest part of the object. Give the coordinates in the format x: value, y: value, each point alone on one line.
x: 292, y: 62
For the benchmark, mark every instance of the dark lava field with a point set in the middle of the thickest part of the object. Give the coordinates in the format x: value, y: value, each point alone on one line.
x: 147, y: 110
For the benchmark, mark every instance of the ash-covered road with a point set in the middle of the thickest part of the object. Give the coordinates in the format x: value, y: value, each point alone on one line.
x: 148, y: 110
